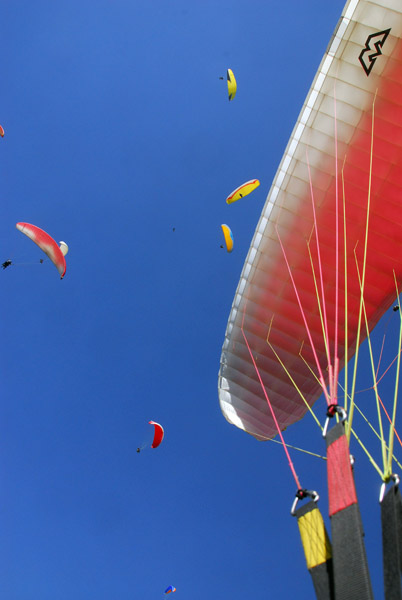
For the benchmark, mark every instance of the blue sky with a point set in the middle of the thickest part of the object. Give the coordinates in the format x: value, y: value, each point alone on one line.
x: 118, y: 130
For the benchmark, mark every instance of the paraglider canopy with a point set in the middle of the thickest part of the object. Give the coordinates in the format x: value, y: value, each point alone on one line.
x: 232, y: 85
x: 1, y: 131
x: 158, y: 435
x: 242, y: 190
x: 228, y: 235
x: 47, y: 244
x: 170, y: 589
x: 314, y: 227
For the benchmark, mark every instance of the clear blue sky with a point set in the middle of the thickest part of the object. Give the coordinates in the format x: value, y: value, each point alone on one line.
x: 118, y: 130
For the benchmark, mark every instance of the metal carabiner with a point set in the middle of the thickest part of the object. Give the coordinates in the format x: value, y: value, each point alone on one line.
x: 395, y: 478
x: 332, y: 410
x: 300, y: 495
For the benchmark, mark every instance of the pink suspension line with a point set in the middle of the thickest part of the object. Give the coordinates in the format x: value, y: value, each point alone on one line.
x: 321, y: 377
x: 291, y: 465
x: 336, y: 358
x: 320, y: 271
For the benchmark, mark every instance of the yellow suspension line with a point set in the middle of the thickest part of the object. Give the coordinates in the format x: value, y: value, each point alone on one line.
x: 377, y: 468
x: 375, y: 433
x: 300, y: 449
x: 309, y: 368
x: 375, y: 385
x: 315, y: 377
x: 319, y: 305
x: 350, y: 416
x: 291, y: 378
x: 379, y: 379
x: 265, y: 439
x: 388, y: 469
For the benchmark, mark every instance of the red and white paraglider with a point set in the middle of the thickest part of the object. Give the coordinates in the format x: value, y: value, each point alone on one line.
x: 158, y: 436
x: 56, y: 252
x: 47, y: 244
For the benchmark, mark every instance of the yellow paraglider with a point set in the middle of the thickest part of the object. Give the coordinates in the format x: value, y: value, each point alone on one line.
x: 242, y: 190
x: 232, y: 85
x: 228, y: 235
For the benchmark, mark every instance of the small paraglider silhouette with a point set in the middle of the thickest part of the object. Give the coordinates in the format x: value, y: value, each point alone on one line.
x: 6, y: 264
x: 158, y: 436
x: 170, y: 589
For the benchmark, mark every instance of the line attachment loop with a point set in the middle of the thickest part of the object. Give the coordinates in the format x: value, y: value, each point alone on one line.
x: 301, y: 494
x: 334, y: 409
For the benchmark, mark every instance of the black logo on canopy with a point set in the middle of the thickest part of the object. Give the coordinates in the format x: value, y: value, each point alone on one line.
x: 372, y: 50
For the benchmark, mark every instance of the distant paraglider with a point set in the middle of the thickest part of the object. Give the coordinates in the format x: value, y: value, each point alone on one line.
x: 158, y: 436
x: 6, y: 264
x: 47, y: 244
x: 228, y: 235
x: 242, y: 190
x: 170, y: 589
x: 232, y: 85
x: 1, y: 131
